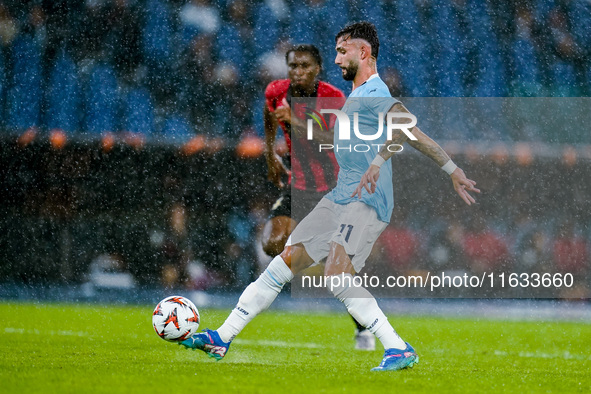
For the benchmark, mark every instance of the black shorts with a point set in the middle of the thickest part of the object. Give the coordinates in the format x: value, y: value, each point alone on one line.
x: 281, y: 206
x: 297, y: 208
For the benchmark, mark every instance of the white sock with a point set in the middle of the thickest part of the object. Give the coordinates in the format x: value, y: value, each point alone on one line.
x: 389, y: 337
x: 364, y: 308
x: 256, y: 298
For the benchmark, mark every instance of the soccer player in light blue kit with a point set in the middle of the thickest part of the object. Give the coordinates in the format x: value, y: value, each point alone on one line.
x: 346, y: 223
x: 354, y: 155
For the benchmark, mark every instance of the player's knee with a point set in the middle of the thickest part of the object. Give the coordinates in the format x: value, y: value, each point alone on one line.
x: 296, y: 258
x: 275, y: 234
x: 287, y: 254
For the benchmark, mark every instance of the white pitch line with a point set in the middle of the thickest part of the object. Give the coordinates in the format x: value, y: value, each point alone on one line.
x: 248, y: 342
x: 283, y: 344
x: 67, y: 333
x: 306, y: 345
x: 564, y: 355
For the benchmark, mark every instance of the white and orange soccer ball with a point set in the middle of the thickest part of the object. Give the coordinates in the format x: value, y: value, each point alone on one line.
x: 175, y: 319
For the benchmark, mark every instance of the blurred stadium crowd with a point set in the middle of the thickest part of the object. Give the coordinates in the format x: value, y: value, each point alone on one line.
x: 195, y: 220
x: 176, y: 67
x: 171, y: 70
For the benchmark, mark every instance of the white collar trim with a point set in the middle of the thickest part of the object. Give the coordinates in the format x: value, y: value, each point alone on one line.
x: 376, y: 75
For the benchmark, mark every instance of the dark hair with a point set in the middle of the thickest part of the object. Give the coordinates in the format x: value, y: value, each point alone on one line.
x: 307, y: 48
x: 364, y: 30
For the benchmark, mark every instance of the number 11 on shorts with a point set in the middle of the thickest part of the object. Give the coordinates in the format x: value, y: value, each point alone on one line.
x: 349, y: 228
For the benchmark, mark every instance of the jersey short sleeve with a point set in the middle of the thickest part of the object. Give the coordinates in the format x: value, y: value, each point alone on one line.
x: 275, y: 92
x: 354, y: 154
x: 380, y: 104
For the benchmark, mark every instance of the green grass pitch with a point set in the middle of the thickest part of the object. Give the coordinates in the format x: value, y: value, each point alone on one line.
x: 64, y: 348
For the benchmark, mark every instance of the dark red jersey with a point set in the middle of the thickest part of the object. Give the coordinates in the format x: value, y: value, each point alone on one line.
x: 311, y: 170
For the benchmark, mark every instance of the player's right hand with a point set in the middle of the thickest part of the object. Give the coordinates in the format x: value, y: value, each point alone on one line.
x: 283, y: 112
x: 276, y: 170
x: 368, y: 181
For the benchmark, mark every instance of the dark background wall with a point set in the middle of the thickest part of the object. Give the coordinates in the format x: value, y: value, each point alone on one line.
x: 61, y: 208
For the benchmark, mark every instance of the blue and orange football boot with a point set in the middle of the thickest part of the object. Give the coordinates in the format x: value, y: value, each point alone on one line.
x: 396, y: 359
x: 210, y: 342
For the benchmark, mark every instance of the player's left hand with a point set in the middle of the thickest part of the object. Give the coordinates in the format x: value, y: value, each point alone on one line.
x: 463, y: 185
x: 368, y: 181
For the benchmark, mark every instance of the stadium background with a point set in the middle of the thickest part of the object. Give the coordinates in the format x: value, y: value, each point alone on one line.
x: 117, y: 116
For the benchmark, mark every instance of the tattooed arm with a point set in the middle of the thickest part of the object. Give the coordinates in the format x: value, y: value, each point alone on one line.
x: 424, y: 144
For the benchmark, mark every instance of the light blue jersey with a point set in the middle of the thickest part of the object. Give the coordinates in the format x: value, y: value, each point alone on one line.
x: 355, y: 155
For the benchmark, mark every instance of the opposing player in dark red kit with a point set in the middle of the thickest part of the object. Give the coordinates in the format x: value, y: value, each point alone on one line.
x: 309, y: 173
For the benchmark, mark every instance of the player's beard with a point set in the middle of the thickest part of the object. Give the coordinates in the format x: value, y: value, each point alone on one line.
x: 350, y: 71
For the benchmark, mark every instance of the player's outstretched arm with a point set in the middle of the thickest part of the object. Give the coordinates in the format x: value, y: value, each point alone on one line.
x: 275, y: 165
x: 427, y: 147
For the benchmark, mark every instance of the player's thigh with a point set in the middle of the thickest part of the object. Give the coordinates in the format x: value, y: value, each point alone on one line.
x: 357, y: 230
x: 296, y: 258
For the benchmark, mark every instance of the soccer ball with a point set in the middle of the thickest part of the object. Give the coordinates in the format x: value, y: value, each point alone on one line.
x: 175, y: 319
